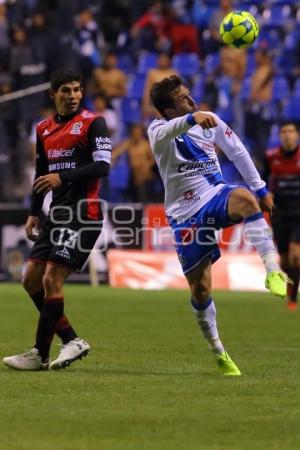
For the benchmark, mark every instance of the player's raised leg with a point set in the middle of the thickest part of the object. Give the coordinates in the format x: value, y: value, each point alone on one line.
x: 242, y: 204
x: 204, y: 308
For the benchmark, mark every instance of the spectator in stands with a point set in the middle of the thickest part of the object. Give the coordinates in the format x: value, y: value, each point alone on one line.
x: 116, y: 20
x: 163, y: 70
x: 41, y: 40
x: 141, y: 163
x: 88, y: 41
x: 101, y: 106
x: 28, y: 68
x: 4, y: 32
x: 109, y: 78
x: 260, y: 112
x: 214, y: 43
x: 152, y: 30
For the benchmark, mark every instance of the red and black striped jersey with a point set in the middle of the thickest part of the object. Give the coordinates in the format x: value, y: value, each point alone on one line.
x: 283, y: 174
x: 78, y: 147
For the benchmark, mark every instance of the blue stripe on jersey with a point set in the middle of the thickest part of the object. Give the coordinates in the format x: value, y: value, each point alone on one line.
x: 190, y: 151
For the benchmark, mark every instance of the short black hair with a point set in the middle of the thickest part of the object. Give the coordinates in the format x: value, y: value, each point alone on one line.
x: 286, y: 122
x: 62, y: 76
x: 161, y: 91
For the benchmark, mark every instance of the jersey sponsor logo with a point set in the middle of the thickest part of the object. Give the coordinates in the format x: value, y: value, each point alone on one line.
x: 61, y: 166
x: 56, y: 153
x: 189, y: 197
x: 87, y: 115
x: 76, y: 128
x: 46, y: 132
x: 207, y: 146
x: 103, y: 143
x: 102, y: 155
x: 228, y: 132
x: 207, y: 134
x: 192, y: 169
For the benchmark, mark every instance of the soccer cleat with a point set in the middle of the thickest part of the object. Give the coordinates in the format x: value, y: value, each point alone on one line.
x: 75, y: 349
x: 26, y: 361
x: 276, y: 282
x: 227, y: 366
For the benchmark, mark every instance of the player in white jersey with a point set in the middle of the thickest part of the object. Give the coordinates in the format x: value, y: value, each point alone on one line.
x: 198, y: 201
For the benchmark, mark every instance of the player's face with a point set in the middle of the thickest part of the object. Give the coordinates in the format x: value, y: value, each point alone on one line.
x: 184, y: 103
x: 67, y: 98
x: 289, y: 137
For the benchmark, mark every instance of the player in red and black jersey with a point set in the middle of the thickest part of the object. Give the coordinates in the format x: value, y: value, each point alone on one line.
x: 282, y: 171
x: 73, y: 153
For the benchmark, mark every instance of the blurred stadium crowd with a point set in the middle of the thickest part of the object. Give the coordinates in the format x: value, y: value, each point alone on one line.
x: 121, y: 47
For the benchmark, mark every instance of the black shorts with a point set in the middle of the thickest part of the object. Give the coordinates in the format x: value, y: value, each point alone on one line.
x: 285, y: 230
x: 68, y: 245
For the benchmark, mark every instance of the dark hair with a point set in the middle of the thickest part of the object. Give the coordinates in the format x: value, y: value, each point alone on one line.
x: 161, y: 93
x: 286, y: 122
x: 62, y: 76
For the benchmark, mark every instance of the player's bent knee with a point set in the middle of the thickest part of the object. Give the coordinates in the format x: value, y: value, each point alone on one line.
x: 51, y: 284
x: 248, y: 204
x: 200, y: 292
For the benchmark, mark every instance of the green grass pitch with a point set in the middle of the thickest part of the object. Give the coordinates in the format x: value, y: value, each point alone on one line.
x: 149, y: 382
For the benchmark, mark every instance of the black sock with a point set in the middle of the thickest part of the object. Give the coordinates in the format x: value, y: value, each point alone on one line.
x: 50, y: 314
x: 64, y: 330
x: 38, y: 299
x: 294, y: 275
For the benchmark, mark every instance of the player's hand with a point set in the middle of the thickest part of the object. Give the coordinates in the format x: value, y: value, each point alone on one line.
x: 266, y: 203
x: 46, y: 183
x: 32, y: 223
x: 205, y: 120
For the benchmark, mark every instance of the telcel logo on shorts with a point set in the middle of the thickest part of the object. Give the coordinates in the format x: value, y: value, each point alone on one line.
x: 56, y: 153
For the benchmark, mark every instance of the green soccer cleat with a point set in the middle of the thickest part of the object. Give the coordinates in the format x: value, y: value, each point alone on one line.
x: 276, y: 282
x: 227, y: 366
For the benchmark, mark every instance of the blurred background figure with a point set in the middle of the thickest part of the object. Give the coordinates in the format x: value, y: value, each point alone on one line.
x: 282, y: 172
x: 152, y: 30
x: 164, y: 69
x: 109, y: 78
x: 101, y: 106
x: 260, y: 113
x: 142, y: 185
x: 88, y: 42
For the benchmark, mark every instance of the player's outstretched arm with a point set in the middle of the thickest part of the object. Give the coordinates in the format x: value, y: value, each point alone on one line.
x: 236, y: 152
x: 164, y: 130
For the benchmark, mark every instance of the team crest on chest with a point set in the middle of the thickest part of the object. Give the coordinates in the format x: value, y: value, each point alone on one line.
x: 76, y: 128
x: 207, y: 134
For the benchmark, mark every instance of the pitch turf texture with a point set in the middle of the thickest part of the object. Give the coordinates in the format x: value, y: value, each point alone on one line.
x: 150, y: 382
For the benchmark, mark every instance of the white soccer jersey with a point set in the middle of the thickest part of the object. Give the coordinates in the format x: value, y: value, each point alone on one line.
x: 188, y: 164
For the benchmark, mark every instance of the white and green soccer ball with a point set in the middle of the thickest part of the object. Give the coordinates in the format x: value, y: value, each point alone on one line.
x: 239, y: 29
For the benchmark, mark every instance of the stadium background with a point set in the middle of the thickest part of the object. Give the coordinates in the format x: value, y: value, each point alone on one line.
x: 37, y: 37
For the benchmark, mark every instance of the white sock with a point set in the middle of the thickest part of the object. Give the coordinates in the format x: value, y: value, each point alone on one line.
x: 259, y: 234
x: 206, y: 317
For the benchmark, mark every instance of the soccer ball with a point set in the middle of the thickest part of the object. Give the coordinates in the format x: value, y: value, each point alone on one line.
x: 239, y: 29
